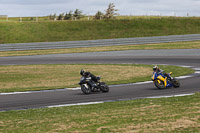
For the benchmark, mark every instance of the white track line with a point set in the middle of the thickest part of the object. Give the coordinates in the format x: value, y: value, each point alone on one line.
x: 185, y: 66
x: 197, y: 72
x: 64, y: 105
x: 13, y: 93
x: 179, y: 95
x: 89, y: 103
x: 184, y: 77
x: 74, y: 89
x: 197, y: 69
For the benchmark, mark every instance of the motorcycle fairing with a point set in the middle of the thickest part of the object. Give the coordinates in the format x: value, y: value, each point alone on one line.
x: 161, y: 77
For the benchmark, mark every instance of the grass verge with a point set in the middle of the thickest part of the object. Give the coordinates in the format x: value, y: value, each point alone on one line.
x: 175, y: 45
x: 42, y: 77
x: 21, y: 32
x: 175, y: 114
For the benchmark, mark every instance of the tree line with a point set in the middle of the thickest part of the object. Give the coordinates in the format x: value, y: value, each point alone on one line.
x: 110, y: 13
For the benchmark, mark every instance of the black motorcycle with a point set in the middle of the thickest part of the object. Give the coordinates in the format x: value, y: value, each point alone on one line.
x: 88, y: 85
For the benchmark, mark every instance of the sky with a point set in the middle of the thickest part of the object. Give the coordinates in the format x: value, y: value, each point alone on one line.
x: 22, y: 8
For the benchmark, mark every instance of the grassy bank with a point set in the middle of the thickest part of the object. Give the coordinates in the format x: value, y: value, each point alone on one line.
x: 41, y: 77
x: 19, y: 32
x: 176, y: 114
x: 175, y: 45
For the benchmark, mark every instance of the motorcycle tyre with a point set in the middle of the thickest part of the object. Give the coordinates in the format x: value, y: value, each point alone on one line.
x: 176, y: 83
x: 158, y: 85
x: 104, y: 87
x: 85, y: 90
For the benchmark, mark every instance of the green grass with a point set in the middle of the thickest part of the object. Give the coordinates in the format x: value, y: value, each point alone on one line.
x: 175, y: 45
x: 43, y: 77
x: 21, y: 32
x: 176, y: 114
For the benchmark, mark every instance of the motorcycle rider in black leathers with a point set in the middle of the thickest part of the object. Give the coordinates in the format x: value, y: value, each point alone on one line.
x: 88, y: 74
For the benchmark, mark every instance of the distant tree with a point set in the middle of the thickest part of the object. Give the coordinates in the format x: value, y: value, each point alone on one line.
x: 51, y: 17
x: 99, y: 15
x: 78, y: 14
x: 54, y: 17
x: 61, y: 16
x: 110, y: 12
x: 31, y: 18
x: 68, y: 16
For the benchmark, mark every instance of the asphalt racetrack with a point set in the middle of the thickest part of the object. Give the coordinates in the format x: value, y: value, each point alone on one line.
x: 185, y: 57
x: 102, y: 42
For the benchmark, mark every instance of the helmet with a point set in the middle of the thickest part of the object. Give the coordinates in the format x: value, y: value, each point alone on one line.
x: 82, y: 72
x: 155, y: 68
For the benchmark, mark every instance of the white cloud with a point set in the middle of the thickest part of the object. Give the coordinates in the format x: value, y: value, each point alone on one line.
x: 126, y: 7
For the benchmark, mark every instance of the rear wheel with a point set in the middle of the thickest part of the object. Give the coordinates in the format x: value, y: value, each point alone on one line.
x: 176, y: 83
x: 159, y: 84
x: 104, y: 87
x: 85, y: 89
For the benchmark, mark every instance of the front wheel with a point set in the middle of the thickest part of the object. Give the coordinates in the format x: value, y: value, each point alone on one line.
x: 85, y: 89
x: 159, y: 84
x: 176, y: 83
x: 104, y: 87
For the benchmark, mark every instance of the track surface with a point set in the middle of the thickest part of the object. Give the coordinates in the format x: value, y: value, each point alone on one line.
x: 94, y: 43
x: 46, y: 98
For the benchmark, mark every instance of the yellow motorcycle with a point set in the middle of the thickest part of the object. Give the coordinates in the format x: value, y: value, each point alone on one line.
x: 163, y: 80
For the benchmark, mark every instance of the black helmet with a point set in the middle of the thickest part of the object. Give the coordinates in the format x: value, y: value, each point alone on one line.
x: 82, y: 72
x: 155, y: 68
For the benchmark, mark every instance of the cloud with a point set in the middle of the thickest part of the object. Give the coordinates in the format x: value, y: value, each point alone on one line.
x: 32, y: 2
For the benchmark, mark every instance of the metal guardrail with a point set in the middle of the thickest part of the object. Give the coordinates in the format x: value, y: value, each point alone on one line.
x: 95, y: 43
